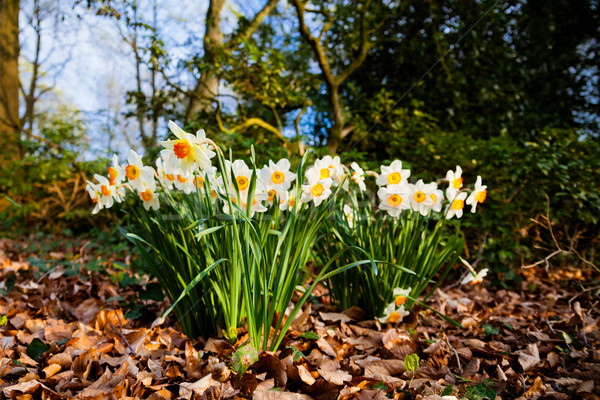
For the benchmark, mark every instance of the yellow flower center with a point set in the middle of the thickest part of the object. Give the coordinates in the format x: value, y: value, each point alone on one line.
x: 394, y: 178
x: 457, y: 183
x: 277, y: 177
x: 394, y: 200
x: 433, y: 197
x: 170, y: 177
x: 112, y: 175
x: 317, y: 189
x: 292, y: 201
x: 182, y: 148
x: 132, y: 172
x: 181, y: 179
x: 480, y: 197
x: 271, y: 194
x: 476, y: 280
x: 420, y: 196
x: 147, y: 195
x: 105, y: 190
x: 242, y: 182
x: 394, y: 317
x: 324, y: 173
x: 399, y: 300
x: 458, y: 204
x: 199, y: 182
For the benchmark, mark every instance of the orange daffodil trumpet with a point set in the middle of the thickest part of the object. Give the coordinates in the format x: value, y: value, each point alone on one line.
x: 189, y: 149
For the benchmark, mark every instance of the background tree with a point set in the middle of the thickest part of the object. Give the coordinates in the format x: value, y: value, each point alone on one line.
x: 9, y: 81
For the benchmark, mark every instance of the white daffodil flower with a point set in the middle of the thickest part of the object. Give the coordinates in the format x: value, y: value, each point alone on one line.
x: 474, y: 279
x: 436, y: 196
x: 149, y: 199
x: 185, y: 182
x: 189, y: 149
x: 457, y: 204
x: 349, y: 214
x: 139, y: 176
x: 116, y: 173
x: 478, y: 195
x: 400, y: 296
x: 454, y: 178
x: 358, y: 176
x: 420, y: 199
x: 393, y: 175
x: 95, y: 193
x: 317, y: 188
x: 277, y: 176
x: 166, y: 173
x: 394, y: 199
x: 393, y: 314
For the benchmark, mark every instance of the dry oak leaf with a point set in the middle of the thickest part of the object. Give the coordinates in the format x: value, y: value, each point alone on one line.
x: 334, y: 317
x: 305, y: 376
x: 273, y: 395
x: 336, y: 377
x: 529, y: 358
x: 29, y: 387
x: 187, y: 389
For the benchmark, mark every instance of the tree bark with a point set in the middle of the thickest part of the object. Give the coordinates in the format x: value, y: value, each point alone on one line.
x: 9, y: 81
x: 206, y: 88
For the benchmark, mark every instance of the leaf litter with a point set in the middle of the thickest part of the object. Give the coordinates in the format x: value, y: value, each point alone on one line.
x: 86, y: 335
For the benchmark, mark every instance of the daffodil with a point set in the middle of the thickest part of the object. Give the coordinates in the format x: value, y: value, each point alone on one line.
x: 242, y: 174
x: 138, y: 175
x: 478, y: 195
x: 393, y: 175
x: 400, y: 296
x: 277, y: 177
x: 473, y: 278
x: 436, y: 195
x: 116, y: 173
x: 457, y: 203
x: 420, y: 199
x: 358, y: 176
x: 185, y: 182
x: 95, y: 193
x: 394, y: 199
x: 349, y: 214
x: 104, y: 194
x: 330, y: 167
x: 454, y: 178
x: 149, y: 199
x: 317, y: 188
x: 189, y: 149
x: 166, y: 173
x: 392, y: 314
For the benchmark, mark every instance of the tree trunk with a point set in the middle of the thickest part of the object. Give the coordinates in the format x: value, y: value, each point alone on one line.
x: 334, y: 136
x: 9, y: 81
x: 206, y: 88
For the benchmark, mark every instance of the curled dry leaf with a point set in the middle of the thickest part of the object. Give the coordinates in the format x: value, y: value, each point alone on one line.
x: 529, y: 358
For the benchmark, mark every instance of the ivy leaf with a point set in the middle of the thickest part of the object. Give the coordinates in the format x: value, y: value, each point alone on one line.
x: 448, y: 391
x: 36, y: 348
x: 490, y: 330
x: 297, y: 353
x: 243, y: 358
x: 411, y: 362
x: 310, y: 335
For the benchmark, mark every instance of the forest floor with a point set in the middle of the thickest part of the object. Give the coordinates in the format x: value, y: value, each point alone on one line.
x: 75, y: 323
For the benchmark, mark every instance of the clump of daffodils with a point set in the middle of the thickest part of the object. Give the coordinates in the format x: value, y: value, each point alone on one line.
x: 186, y: 165
x: 397, y: 194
